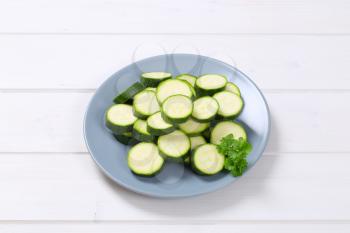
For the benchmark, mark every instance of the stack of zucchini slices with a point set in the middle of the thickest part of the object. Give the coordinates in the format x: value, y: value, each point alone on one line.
x: 179, y: 119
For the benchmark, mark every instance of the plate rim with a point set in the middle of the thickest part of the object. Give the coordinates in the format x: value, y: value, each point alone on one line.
x: 152, y: 194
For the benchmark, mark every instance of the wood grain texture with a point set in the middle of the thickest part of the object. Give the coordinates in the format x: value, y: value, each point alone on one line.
x: 249, y: 227
x: 156, y: 16
x: 67, y: 186
x: 85, y: 61
x: 53, y: 122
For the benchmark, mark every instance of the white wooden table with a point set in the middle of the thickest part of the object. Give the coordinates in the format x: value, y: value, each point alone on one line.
x: 54, y: 54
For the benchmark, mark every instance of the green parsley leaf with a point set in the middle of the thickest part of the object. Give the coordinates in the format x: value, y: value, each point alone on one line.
x: 235, y: 152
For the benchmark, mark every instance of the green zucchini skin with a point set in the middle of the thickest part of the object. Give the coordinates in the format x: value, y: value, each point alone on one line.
x: 189, y: 131
x: 201, y: 91
x: 231, y: 87
x: 138, y: 99
x: 180, y: 157
x: 153, y: 82
x: 188, y: 78
x: 194, y: 166
x: 140, y: 134
x: 119, y: 129
x: 213, y: 105
x: 159, y: 132
x: 176, y: 120
x: 142, y: 137
x: 129, y: 93
x: 126, y: 140
x: 150, y: 171
x: 153, y: 130
x: 234, y: 98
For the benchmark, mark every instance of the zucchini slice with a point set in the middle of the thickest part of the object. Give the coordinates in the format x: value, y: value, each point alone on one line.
x: 145, y: 104
x: 206, y: 160
x: 151, y: 89
x: 230, y: 105
x: 231, y: 87
x: 209, y: 84
x: 177, y: 109
x: 129, y: 93
x: 144, y: 159
x: 193, y: 128
x: 126, y: 138
x: 175, y: 145
x: 205, y: 109
x: 173, y: 87
x: 188, y: 78
x: 152, y: 79
x: 197, y: 141
x: 140, y: 131
x: 120, y: 118
x: 225, y: 128
x: 157, y: 126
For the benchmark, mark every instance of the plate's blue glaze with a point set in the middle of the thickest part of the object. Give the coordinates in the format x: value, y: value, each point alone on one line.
x: 175, y: 180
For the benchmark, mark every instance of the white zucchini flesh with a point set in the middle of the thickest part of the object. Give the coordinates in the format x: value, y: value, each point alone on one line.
x: 177, y: 106
x: 192, y: 127
x: 146, y: 103
x: 188, y: 78
x: 172, y: 87
x: 156, y: 75
x: 211, y: 81
x: 225, y: 128
x: 197, y: 141
x: 205, y: 108
x: 175, y: 144
x: 207, y: 159
x: 121, y: 114
x: 231, y: 87
x: 229, y: 104
x: 144, y: 159
x: 156, y: 121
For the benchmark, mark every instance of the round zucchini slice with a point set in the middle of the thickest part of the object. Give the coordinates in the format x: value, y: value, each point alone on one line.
x: 177, y: 109
x: 209, y: 84
x: 126, y: 138
x: 205, y: 109
x: 128, y: 94
x: 192, y: 127
x: 225, y: 128
x: 206, y: 160
x: 175, y: 145
x: 188, y: 78
x: 140, y: 131
x: 173, y: 87
x: 144, y: 159
x: 152, y: 79
x: 231, y: 87
x: 157, y: 126
x: 230, y: 105
x: 120, y: 118
x: 145, y: 104
x: 197, y: 141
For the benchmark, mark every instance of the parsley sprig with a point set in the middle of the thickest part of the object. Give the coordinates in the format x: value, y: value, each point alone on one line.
x: 235, y: 152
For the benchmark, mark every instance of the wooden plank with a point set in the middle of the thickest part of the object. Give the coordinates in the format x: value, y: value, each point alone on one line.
x: 52, y: 122
x: 156, y: 16
x: 274, y: 227
x: 85, y: 61
x: 288, y: 187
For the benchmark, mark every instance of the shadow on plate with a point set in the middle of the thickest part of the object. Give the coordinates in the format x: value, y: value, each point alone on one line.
x: 246, y: 188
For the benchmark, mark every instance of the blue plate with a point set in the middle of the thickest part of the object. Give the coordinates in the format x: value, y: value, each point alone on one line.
x: 174, y: 180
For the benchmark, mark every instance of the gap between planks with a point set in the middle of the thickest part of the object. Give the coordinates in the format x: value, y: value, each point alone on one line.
x: 92, y: 90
